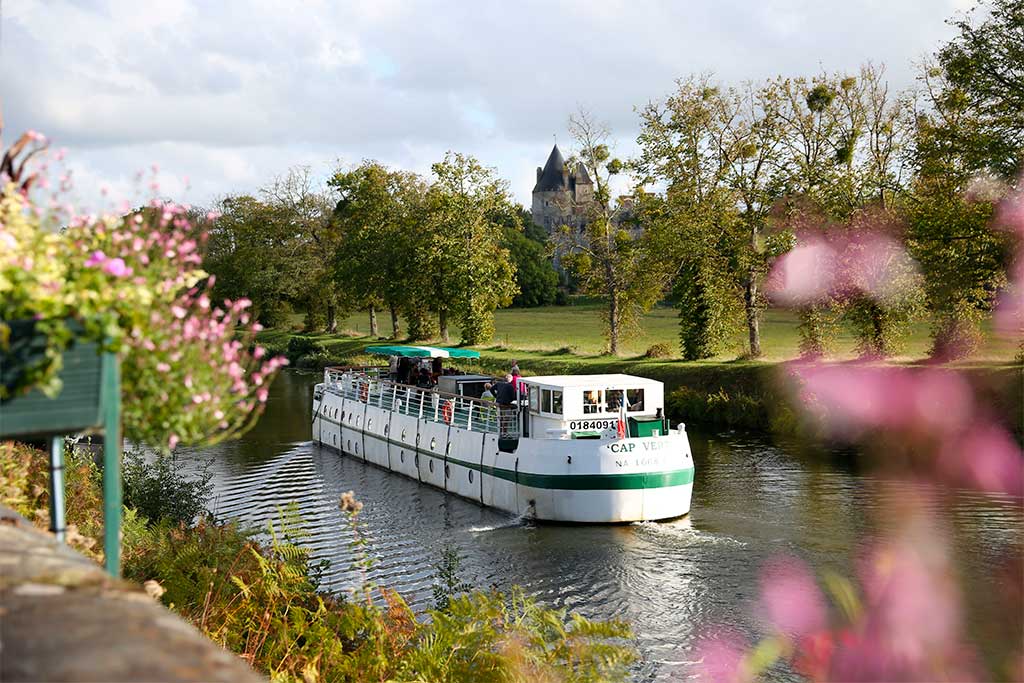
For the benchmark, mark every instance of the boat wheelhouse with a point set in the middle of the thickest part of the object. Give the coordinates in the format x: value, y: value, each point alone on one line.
x: 569, y: 448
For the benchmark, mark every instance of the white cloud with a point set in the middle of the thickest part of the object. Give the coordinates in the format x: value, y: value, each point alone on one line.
x: 232, y: 93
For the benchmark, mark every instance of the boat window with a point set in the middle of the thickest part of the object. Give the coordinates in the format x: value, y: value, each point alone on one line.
x: 635, y: 400
x: 534, y: 399
x: 592, y: 401
x: 545, y: 400
x: 613, y: 397
x: 556, y: 402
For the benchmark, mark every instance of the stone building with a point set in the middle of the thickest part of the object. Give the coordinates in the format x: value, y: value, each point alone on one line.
x: 561, y: 196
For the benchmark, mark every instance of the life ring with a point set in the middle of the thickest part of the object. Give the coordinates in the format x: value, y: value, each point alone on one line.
x: 446, y: 411
x: 364, y: 392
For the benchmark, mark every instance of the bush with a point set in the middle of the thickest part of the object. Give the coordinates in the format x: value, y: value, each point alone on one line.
x: 299, y: 346
x: 659, y: 350
x: 158, y: 490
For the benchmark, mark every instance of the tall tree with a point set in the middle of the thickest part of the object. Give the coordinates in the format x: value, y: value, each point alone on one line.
x: 255, y: 253
x: 969, y: 132
x: 715, y: 150
x: 306, y: 207
x: 377, y: 214
x: 609, y: 256
x: 469, y: 273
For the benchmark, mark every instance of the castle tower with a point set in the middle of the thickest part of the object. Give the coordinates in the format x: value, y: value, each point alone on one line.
x: 561, y: 196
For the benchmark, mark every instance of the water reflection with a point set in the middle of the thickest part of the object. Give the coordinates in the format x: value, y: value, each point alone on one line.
x: 752, y: 500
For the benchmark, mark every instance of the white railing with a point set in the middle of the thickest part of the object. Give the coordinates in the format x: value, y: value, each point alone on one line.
x: 369, y: 385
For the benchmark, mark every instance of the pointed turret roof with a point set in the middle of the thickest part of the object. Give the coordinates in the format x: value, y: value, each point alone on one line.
x: 552, y: 177
x: 582, y: 177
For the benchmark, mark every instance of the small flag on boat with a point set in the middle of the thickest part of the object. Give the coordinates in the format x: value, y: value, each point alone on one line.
x: 621, y: 426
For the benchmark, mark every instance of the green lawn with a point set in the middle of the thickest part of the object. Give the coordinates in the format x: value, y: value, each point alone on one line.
x: 540, y: 331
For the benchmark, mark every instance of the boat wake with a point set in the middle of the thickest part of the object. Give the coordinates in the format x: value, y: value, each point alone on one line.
x: 524, y: 520
x: 683, y: 529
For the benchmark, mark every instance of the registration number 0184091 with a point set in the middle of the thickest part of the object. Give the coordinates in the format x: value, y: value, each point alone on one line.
x: 593, y: 424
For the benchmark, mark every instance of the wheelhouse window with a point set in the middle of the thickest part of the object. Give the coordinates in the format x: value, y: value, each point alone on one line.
x: 556, y: 402
x: 613, y: 399
x: 592, y: 401
x: 551, y: 401
x: 534, y: 399
x: 635, y: 400
x: 545, y: 400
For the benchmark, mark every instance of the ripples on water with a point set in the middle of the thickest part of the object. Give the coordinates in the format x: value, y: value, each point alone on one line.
x: 672, y: 581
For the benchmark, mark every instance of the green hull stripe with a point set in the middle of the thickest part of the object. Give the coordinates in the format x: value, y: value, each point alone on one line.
x: 565, y: 482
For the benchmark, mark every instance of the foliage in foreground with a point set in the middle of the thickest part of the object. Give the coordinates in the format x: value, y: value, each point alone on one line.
x: 258, y: 597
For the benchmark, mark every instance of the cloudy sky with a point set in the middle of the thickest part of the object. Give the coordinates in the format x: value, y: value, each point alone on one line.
x: 227, y: 94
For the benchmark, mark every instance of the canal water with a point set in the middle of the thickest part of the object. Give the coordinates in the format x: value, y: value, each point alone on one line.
x: 673, y: 581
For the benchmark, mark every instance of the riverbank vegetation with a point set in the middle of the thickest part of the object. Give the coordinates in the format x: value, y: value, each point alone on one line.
x: 255, y: 592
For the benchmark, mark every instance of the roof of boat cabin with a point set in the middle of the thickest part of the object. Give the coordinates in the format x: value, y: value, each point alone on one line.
x: 615, y: 381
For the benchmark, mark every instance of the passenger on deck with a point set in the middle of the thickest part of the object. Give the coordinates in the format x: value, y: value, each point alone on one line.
x: 424, y: 381
x: 505, y: 392
x: 487, y: 395
x: 393, y: 367
x: 404, y: 366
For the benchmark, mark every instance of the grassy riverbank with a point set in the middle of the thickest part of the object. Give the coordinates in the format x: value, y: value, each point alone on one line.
x: 725, y: 391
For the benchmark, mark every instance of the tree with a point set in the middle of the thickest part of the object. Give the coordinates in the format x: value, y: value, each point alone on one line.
x: 536, y: 277
x: 376, y: 215
x: 976, y: 85
x: 255, y: 253
x: 715, y: 151
x: 609, y: 255
x: 306, y: 209
x: 969, y: 132
x: 467, y: 271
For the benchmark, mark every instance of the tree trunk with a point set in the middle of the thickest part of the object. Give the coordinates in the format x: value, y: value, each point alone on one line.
x: 373, y: 321
x: 396, y: 331
x: 332, y: 318
x: 613, y: 324
x: 753, y: 324
x: 442, y: 319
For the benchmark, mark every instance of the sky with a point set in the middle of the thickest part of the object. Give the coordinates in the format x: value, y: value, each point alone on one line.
x: 223, y: 95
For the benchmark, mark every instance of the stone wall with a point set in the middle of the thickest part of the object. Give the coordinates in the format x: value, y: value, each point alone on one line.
x: 62, y: 618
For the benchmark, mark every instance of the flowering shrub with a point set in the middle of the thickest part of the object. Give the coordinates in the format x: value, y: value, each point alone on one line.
x: 134, y: 283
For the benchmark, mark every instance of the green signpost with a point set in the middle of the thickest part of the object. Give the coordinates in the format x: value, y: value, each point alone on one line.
x: 89, y: 401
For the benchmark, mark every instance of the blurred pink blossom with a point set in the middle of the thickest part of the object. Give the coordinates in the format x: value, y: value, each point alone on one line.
x: 98, y: 258
x: 117, y: 268
x: 721, y: 658
x: 790, y: 599
x: 987, y: 458
x: 805, y: 274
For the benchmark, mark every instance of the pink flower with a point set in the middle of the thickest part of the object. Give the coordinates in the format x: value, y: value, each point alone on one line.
x: 987, y: 458
x: 178, y: 311
x: 721, y: 658
x: 805, y: 274
x: 98, y: 258
x: 261, y: 394
x: 790, y: 599
x: 117, y: 268
x: 163, y: 367
x: 173, y: 441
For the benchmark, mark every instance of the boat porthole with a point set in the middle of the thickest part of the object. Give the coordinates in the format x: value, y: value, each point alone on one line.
x: 433, y: 444
x: 386, y: 430
x: 369, y: 423
x: 401, y: 456
x: 403, y: 435
x: 470, y: 476
x: 448, y: 448
x: 357, y: 448
x: 359, y: 421
x: 430, y: 465
x: 342, y: 415
x: 350, y: 445
x: 447, y: 471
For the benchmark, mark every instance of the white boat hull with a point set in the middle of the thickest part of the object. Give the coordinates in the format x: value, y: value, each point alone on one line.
x: 583, y: 481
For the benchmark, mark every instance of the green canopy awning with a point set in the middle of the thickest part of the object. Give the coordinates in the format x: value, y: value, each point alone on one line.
x: 422, y: 351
